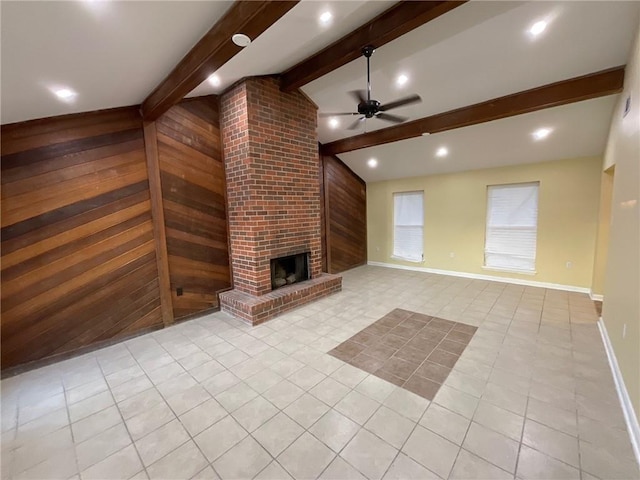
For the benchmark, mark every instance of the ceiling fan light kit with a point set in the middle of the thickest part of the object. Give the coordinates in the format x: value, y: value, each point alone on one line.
x: 371, y: 108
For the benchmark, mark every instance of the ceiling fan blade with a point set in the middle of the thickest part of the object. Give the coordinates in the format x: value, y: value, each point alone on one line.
x: 356, y: 124
x: 359, y: 95
x: 391, y: 118
x: 400, y: 103
x: 338, y: 114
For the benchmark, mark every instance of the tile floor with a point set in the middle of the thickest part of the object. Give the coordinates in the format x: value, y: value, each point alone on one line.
x: 531, y: 396
x: 409, y: 349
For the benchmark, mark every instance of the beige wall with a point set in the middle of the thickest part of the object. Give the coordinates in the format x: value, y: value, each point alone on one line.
x: 602, y: 238
x: 455, y: 216
x: 622, y: 282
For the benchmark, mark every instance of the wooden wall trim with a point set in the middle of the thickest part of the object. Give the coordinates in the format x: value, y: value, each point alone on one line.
x: 594, y: 85
x: 157, y: 215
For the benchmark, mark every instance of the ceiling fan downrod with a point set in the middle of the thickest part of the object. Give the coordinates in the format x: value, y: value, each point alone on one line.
x: 367, y: 52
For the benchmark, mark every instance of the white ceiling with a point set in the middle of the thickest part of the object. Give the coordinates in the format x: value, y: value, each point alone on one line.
x: 110, y: 53
x: 114, y: 53
x: 579, y: 130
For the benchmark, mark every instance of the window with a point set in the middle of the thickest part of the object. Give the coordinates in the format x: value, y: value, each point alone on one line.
x: 408, y: 225
x: 512, y: 226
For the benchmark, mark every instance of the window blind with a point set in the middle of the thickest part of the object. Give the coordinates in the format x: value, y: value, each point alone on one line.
x: 408, y: 226
x: 512, y: 227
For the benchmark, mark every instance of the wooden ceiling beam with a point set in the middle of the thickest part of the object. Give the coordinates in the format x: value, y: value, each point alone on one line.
x: 593, y: 85
x: 215, y: 48
x: 389, y: 25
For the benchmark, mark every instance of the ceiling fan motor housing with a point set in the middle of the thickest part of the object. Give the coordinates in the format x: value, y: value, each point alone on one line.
x: 368, y: 108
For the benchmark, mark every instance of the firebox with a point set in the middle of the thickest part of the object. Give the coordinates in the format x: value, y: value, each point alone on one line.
x: 290, y: 269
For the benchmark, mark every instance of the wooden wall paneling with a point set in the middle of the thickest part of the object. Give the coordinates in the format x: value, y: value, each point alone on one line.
x: 193, y: 194
x: 78, y: 253
x: 345, y: 211
x: 157, y: 213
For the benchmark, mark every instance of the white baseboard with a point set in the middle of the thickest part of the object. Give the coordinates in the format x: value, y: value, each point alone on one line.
x: 491, y: 278
x: 627, y: 407
x: 596, y: 297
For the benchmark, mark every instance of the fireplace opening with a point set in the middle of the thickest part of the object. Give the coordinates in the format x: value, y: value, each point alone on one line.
x: 290, y: 269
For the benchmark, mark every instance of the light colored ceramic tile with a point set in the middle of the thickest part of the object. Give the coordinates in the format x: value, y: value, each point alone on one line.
x: 130, y: 388
x: 220, y: 437
x: 41, y: 449
x: 146, y: 422
x: 611, y: 439
x: 184, y: 401
x: 255, y: 413
x: 41, y: 426
x: 264, y: 380
x: 335, y: 430
x: 445, y: 423
x: 407, y: 404
x: 31, y: 411
x: 245, y: 460
x: 90, y: 405
x: 176, y: 385
x: 62, y: 465
x: 505, y: 398
x: 357, y: 407
x: 273, y: 471
x: 236, y: 396
x: 98, y: 422
x: 85, y: 391
x: 369, y: 454
x: 306, y: 378
x: 551, y: 442
x: 123, y: 464
x: 500, y: 420
x: 349, y: 375
x: 471, y: 467
x: 375, y: 388
x: 182, y: 463
x: 491, y: 446
x: 329, y: 391
x: 283, y: 394
x: 404, y: 468
x: 339, y: 469
x: 277, y: 434
x: 203, y: 416
x: 139, y: 403
x: 456, y: 401
x: 306, y: 410
x: 161, y: 441
x: 603, y: 464
x: 533, y: 464
x: 206, y: 370
x: 206, y: 473
x: 101, y: 446
x: 431, y: 450
x: 552, y: 416
x: 306, y: 458
x: 390, y: 426
x: 220, y: 382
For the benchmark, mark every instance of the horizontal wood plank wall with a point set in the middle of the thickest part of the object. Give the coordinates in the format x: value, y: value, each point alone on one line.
x: 193, y: 195
x: 345, y: 200
x: 78, y: 258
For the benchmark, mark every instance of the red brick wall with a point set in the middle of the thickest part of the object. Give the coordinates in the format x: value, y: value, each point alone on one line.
x: 271, y: 157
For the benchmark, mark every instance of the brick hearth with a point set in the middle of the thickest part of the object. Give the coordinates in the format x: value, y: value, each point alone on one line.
x: 273, y: 196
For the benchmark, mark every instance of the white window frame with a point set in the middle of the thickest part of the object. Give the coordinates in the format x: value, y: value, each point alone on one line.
x: 412, y: 227
x: 519, y: 223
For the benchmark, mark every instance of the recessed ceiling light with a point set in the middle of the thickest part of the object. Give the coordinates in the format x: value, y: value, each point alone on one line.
x: 541, y: 133
x: 402, y: 80
x: 426, y: 134
x: 537, y: 28
x: 334, y: 122
x: 64, y: 94
x: 214, y: 80
x: 241, y: 40
x: 325, y: 18
x: 373, y: 163
x: 442, y: 152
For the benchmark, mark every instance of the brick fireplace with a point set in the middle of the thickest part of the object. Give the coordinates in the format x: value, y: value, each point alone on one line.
x: 273, y: 195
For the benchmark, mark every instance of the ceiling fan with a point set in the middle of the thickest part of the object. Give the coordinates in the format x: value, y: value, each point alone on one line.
x: 370, y: 108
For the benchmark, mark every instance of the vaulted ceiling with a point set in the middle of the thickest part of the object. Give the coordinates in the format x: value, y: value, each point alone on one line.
x: 115, y: 53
